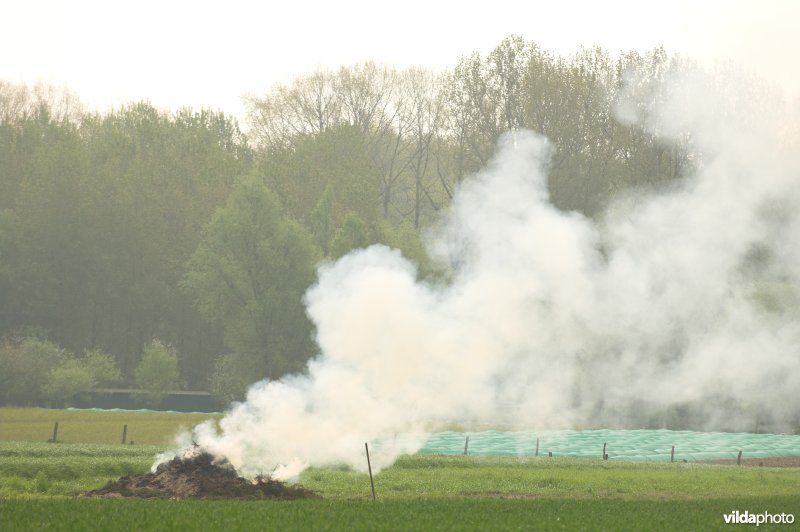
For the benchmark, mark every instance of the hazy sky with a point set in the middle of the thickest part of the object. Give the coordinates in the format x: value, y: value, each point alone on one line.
x: 178, y: 53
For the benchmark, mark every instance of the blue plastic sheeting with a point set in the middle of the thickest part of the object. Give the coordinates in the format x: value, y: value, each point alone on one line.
x: 653, y: 445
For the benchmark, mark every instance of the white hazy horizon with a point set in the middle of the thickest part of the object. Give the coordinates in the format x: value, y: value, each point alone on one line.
x: 182, y: 53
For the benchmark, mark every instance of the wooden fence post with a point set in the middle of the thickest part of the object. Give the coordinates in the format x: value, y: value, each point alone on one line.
x: 369, y: 467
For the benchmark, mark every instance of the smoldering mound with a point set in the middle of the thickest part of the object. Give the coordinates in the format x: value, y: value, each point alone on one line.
x: 198, y: 475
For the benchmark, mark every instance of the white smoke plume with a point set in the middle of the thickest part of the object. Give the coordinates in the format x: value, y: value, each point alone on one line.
x: 683, y: 303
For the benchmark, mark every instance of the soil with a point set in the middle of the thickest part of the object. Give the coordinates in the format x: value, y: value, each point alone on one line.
x: 201, y: 476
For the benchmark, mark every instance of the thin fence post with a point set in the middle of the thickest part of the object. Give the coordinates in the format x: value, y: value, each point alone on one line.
x: 466, y: 446
x: 672, y: 454
x: 55, y: 433
x: 124, y: 434
x: 537, y: 447
x: 739, y: 458
x: 369, y: 467
x: 605, y: 456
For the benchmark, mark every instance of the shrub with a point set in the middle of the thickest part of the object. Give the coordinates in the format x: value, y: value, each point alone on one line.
x: 68, y: 380
x: 102, y: 367
x: 76, y: 375
x: 25, y: 367
x: 157, y: 372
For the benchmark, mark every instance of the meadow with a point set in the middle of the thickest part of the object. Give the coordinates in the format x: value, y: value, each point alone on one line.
x: 39, y: 482
x: 95, y: 426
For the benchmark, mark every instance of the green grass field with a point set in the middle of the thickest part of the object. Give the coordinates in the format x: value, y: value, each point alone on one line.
x: 419, y: 514
x: 39, y: 480
x: 86, y: 426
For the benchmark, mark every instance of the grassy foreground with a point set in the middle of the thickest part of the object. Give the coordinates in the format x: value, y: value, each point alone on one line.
x: 419, y: 514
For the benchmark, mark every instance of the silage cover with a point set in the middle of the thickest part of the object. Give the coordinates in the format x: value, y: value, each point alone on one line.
x: 655, y: 445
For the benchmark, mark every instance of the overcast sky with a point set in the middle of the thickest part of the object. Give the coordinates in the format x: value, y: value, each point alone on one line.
x: 177, y: 53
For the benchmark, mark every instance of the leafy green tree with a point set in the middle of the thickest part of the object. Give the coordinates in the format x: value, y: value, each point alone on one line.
x: 98, y: 217
x: 46, y: 221
x: 323, y: 220
x: 233, y: 374
x: 249, y: 275
x: 406, y: 238
x: 102, y: 367
x: 7, y: 271
x: 25, y: 366
x: 157, y: 179
x: 76, y: 375
x: 570, y: 100
x: 352, y: 235
x: 68, y: 380
x: 333, y: 162
x: 391, y: 118
x: 158, y: 371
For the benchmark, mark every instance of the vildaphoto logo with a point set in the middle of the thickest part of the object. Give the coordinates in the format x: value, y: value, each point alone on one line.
x: 746, y: 518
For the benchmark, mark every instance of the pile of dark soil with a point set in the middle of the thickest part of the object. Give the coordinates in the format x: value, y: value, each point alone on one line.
x: 201, y: 476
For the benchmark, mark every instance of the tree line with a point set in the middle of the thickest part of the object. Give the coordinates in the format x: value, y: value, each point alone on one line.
x: 135, y: 228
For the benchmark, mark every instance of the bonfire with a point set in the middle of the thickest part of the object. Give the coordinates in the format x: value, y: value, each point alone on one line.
x: 199, y: 475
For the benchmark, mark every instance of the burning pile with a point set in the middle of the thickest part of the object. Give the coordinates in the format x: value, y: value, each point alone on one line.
x: 198, y: 476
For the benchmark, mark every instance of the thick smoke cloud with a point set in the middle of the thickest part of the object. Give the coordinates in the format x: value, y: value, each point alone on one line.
x: 675, y: 308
